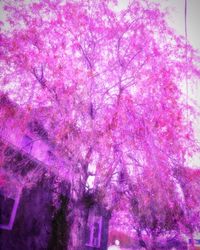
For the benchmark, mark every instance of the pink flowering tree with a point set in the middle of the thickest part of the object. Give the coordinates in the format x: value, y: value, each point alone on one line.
x: 107, y: 87
x: 157, y: 207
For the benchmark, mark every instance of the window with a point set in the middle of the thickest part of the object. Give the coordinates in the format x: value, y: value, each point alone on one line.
x: 51, y: 157
x: 37, y: 128
x: 94, y: 228
x: 27, y: 143
x: 8, y: 210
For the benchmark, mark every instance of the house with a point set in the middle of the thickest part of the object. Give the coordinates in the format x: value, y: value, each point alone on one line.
x: 29, y: 182
x: 23, y: 130
x: 31, y: 185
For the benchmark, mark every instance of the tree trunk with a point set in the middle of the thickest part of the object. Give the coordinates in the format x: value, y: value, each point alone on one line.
x: 77, y: 228
x: 192, y: 247
x: 151, y: 244
x: 141, y: 242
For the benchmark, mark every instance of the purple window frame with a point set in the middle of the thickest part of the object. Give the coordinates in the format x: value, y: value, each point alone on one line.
x: 9, y: 226
x: 95, y: 219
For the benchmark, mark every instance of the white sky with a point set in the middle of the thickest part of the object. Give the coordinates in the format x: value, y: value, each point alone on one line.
x: 176, y: 19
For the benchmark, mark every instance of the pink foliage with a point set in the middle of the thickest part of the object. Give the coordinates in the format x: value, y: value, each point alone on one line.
x: 111, y: 83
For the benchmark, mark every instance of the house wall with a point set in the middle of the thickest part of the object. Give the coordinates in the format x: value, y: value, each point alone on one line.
x: 34, y: 224
x: 38, y: 224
